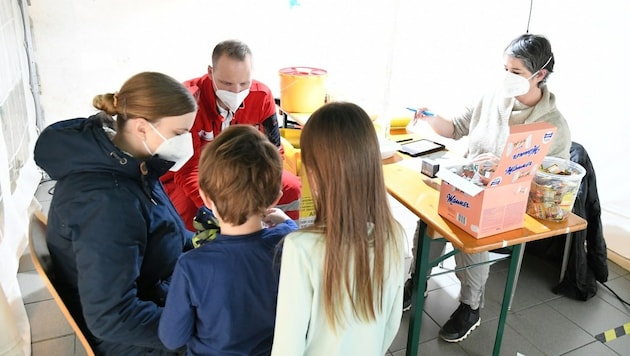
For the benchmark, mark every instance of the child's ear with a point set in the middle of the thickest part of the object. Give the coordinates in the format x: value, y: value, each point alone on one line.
x: 209, y: 203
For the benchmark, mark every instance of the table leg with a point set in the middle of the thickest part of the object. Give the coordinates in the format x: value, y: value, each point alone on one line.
x: 509, y: 284
x: 417, y: 297
x: 518, y: 272
x: 565, y: 255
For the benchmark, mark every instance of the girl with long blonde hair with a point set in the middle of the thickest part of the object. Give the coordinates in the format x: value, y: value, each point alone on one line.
x: 341, y: 279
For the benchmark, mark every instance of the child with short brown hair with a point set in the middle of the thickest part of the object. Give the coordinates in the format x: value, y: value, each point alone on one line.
x: 223, y: 293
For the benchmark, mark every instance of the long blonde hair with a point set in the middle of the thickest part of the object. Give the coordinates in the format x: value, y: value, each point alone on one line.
x: 341, y: 155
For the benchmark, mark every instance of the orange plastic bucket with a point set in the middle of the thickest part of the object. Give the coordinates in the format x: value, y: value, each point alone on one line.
x: 302, y: 89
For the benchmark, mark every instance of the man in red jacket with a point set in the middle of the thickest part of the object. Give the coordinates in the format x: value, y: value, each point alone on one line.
x: 227, y: 95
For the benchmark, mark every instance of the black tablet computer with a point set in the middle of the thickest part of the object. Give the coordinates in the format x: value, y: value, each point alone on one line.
x: 421, y: 147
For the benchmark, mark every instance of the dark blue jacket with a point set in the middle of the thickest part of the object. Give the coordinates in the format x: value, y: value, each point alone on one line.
x: 113, y: 234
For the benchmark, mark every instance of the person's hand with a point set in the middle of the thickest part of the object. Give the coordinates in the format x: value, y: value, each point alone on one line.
x: 486, y: 157
x: 421, y: 114
x: 274, y: 217
x: 485, y: 165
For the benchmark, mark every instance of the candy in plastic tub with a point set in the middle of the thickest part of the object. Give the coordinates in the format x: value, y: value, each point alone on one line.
x: 554, y: 189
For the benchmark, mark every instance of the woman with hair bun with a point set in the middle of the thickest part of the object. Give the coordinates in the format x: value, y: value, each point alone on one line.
x: 113, y: 234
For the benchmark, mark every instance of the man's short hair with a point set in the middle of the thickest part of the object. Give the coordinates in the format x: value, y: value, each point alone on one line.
x: 232, y: 48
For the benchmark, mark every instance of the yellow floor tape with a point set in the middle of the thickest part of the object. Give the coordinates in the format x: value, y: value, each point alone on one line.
x: 612, y: 334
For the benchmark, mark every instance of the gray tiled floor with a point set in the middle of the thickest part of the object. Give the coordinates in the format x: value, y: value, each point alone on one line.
x: 540, y: 322
x: 535, y: 326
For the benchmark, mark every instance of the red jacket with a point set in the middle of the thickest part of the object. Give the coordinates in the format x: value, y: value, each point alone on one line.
x: 258, y: 109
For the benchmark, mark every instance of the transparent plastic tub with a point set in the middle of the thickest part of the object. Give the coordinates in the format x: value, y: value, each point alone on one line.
x: 554, y: 189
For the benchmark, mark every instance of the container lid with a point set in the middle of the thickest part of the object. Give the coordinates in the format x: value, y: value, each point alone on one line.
x: 303, y: 71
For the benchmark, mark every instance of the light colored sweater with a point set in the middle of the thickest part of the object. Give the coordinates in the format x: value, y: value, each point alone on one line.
x: 487, y: 124
x: 301, y: 324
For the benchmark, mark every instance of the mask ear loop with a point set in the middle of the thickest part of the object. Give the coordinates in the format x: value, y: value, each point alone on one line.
x: 544, y: 65
x: 156, y: 130
x: 144, y: 142
x: 541, y: 68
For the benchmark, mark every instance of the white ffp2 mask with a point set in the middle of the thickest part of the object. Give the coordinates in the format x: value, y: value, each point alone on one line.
x: 232, y: 100
x: 176, y: 149
x: 515, y: 85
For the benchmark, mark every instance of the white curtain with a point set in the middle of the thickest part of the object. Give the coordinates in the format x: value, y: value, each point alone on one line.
x: 19, y: 175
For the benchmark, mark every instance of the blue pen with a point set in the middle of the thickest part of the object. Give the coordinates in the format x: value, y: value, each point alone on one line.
x: 425, y: 112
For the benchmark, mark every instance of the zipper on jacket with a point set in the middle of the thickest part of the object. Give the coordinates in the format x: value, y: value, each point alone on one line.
x: 144, y: 171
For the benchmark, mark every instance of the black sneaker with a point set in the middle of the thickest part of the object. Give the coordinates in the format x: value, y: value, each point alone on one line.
x: 462, y: 322
x: 407, y: 293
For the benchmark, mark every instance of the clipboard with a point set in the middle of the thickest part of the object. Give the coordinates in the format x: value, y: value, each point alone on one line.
x: 421, y: 147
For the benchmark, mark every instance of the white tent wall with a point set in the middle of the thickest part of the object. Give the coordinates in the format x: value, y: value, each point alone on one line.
x: 441, y: 54
x: 87, y: 47
x: 18, y: 174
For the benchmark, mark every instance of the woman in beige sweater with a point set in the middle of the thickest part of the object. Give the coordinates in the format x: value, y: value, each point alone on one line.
x: 524, y: 98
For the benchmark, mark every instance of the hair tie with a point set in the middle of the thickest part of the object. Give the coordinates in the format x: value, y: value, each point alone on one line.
x: 115, y: 99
